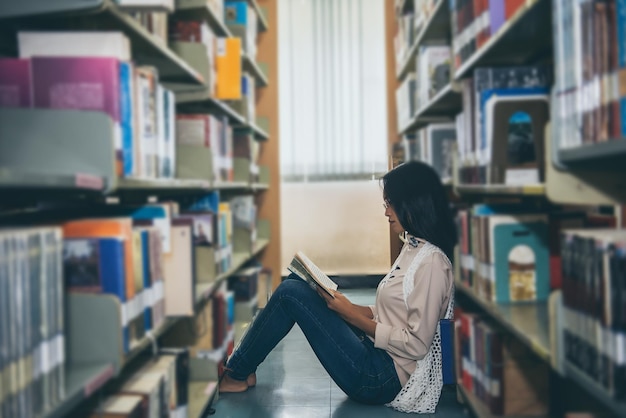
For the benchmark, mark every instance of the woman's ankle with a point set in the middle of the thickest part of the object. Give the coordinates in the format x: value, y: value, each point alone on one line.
x: 229, y: 385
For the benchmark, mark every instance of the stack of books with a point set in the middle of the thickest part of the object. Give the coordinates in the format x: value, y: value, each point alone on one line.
x: 94, y: 71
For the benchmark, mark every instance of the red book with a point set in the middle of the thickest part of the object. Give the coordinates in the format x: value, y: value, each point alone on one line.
x: 511, y: 7
x: 15, y: 83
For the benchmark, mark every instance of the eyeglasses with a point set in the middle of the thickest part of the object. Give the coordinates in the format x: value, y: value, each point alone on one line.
x: 386, y: 204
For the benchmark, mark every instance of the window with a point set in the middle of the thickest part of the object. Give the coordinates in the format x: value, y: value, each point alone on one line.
x: 333, y: 103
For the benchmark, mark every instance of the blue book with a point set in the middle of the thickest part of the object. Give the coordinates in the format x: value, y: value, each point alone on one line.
x: 621, y: 55
x: 446, y: 330
x: 126, y: 116
x: 147, y: 277
x: 209, y: 202
x: 236, y: 13
x: 97, y: 265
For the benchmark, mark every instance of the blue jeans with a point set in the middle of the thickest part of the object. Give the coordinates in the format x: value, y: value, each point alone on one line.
x: 365, y: 373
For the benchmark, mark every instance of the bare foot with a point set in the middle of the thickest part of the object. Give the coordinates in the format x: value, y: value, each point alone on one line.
x: 230, y: 385
x: 251, y: 380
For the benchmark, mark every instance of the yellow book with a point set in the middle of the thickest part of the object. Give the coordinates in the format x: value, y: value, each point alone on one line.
x: 228, y: 64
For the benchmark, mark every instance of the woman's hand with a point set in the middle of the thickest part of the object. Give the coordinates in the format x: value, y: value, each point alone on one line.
x: 339, y: 303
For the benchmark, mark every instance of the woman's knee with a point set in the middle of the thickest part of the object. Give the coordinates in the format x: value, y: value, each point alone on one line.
x: 293, y: 285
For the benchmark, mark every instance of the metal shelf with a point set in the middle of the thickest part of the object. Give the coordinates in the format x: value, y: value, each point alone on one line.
x: 445, y: 104
x: 80, y: 382
x: 436, y: 27
x: 529, y: 322
x: 200, y: 394
x: 200, y: 100
x: 495, y: 189
x: 252, y: 67
x: 479, y: 409
x: 11, y: 178
x: 526, y: 36
x: 595, y: 389
x: 204, y: 290
x: 605, y: 155
x: 199, y: 9
x: 162, y: 184
x: 263, y: 26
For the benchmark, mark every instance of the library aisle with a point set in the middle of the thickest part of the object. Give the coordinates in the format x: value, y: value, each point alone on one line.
x: 291, y: 382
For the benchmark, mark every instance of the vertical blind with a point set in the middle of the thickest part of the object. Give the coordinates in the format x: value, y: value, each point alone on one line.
x: 332, y: 86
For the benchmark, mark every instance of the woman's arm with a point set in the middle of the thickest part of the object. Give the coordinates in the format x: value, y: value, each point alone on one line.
x: 356, y: 315
x: 413, y: 338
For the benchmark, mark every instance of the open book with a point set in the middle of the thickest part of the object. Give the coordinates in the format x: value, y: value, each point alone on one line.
x: 309, y: 272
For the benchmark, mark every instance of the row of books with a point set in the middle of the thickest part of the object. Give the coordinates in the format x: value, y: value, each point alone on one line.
x: 594, y: 289
x: 210, y: 132
x: 409, y: 26
x: 32, y: 348
x: 150, y: 259
x: 158, y: 389
x: 504, y: 257
x: 434, y: 145
x: 500, y: 131
x: 219, y: 59
x: 433, y: 72
x: 153, y: 15
x: 210, y: 334
x: 498, y: 369
x: 590, y: 57
x: 474, y: 22
x: 119, y: 257
x: 406, y: 97
x: 94, y: 71
x: 419, y: 87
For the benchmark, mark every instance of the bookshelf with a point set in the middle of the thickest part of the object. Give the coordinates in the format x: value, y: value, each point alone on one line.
x: 479, y: 410
x: 440, y: 108
x: 199, y: 9
x: 583, y: 178
x: 436, y: 28
x: 525, y: 37
x: 77, y: 161
x: 529, y: 322
x: 147, y: 48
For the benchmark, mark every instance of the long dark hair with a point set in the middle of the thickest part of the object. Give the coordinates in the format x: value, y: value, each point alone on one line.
x: 420, y: 202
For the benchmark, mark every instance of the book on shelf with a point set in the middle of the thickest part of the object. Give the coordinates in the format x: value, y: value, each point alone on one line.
x: 433, y: 72
x: 178, y: 271
x: 150, y: 387
x: 103, y: 44
x: 108, y: 227
x: 32, y: 331
x: 180, y: 390
x: 241, y: 19
x: 308, y: 271
x: 120, y: 406
x: 244, y: 283
x: 184, y: 35
x: 97, y: 265
x: 499, y: 370
x: 405, y: 100
x: 68, y: 74
x: 593, y: 305
x: 228, y: 66
x: 15, y: 83
x: 518, y: 160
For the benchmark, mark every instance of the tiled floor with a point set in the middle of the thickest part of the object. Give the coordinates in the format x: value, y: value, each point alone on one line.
x: 292, y: 383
